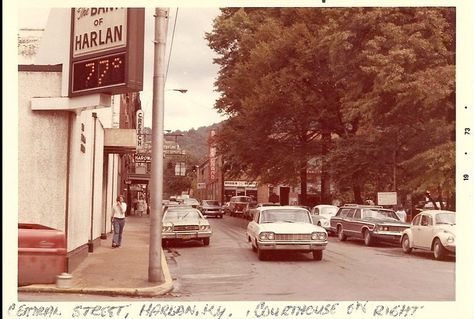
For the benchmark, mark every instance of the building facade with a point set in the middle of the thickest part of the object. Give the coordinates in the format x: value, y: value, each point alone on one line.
x: 72, y: 152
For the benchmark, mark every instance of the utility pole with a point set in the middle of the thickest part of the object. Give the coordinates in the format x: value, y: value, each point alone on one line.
x: 155, y: 272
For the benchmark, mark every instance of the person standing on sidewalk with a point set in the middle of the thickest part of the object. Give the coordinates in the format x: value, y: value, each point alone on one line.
x: 141, y: 206
x: 118, y: 221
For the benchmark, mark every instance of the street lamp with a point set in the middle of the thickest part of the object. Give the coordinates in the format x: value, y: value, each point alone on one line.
x: 178, y: 90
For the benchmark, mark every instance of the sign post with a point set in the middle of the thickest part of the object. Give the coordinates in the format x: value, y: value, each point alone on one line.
x: 155, y: 272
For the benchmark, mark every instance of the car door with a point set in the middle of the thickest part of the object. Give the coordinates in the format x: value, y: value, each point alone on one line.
x: 345, y: 220
x: 418, y: 229
x: 425, y: 233
x: 415, y: 229
x: 356, y: 225
x: 349, y: 223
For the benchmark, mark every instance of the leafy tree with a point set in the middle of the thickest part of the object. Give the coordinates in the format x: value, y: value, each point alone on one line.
x: 278, y: 104
x: 364, y: 89
x: 406, y: 104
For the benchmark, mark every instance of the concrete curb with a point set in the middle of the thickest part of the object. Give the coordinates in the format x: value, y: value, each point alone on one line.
x: 151, y: 291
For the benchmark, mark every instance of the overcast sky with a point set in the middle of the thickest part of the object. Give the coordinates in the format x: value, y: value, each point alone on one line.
x: 190, y: 65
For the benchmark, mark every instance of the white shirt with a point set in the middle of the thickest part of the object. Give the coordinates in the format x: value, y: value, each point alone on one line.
x: 402, y: 215
x: 119, y: 211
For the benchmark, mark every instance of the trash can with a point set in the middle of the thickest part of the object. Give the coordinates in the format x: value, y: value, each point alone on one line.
x: 41, y: 254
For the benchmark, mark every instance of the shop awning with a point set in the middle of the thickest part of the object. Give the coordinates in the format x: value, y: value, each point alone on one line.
x: 139, y: 178
x: 120, y: 141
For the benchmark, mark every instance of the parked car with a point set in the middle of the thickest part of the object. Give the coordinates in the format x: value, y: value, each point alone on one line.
x: 226, y: 208
x: 184, y: 223
x: 285, y: 228
x: 247, y: 213
x: 322, y: 215
x: 368, y: 222
x: 211, y: 207
x: 238, y: 204
x: 432, y: 230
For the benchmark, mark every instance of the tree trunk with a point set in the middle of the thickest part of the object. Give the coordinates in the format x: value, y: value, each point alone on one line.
x: 325, y: 177
x: 357, y: 194
x: 357, y: 189
x: 440, y: 197
x: 304, y: 183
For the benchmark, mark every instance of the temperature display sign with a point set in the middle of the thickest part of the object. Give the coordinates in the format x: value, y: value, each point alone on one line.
x: 108, y: 71
x: 106, y: 51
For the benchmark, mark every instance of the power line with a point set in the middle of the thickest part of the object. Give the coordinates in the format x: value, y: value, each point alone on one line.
x: 171, y: 46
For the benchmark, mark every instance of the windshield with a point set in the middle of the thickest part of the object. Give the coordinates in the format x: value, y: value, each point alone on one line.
x: 329, y: 211
x: 445, y: 218
x: 210, y: 202
x: 181, y: 214
x: 379, y: 213
x: 287, y: 216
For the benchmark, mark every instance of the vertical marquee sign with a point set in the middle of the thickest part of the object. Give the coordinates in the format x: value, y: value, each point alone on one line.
x: 106, y: 50
x: 212, y: 157
x: 140, y: 130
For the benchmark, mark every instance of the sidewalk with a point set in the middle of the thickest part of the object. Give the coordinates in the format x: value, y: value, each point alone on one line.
x: 116, y: 271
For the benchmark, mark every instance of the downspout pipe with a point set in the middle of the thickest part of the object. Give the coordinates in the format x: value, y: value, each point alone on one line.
x: 68, y: 172
x: 103, y: 235
x: 91, y: 239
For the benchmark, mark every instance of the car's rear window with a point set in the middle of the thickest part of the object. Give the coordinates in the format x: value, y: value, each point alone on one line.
x: 329, y: 211
x: 210, y: 202
x: 242, y: 199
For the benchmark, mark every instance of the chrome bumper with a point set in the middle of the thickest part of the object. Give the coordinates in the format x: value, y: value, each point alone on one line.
x: 269, y: 245
x: 186, y: 235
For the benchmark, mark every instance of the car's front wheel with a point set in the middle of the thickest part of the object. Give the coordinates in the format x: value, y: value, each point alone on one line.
x: 254, y: 248
x: 340, y: 234
x: 368, y: 241
x: 262, y: 255
x: 206, y: 241
x: 439, y: 252
x: 406, y: 244
x: 317, y: 254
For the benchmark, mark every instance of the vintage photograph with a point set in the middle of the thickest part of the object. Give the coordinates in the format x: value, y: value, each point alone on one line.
x: 192, y: 154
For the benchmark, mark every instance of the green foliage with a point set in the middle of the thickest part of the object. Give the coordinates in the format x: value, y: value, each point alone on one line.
x: 379, y: 81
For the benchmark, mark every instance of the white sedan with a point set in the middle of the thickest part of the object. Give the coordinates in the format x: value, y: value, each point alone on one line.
x: 433, y: 230
x: 285, y: 228
x: 182, y: 223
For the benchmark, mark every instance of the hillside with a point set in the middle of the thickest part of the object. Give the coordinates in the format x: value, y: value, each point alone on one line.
x: 194, y: 141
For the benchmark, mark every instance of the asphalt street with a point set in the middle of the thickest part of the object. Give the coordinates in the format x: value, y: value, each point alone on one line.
x: 228, y: 269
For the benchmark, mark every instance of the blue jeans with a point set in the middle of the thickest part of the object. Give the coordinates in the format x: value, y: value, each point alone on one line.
x: 119, y: 224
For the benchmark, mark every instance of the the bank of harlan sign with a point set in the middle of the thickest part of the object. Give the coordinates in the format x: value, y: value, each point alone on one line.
x: 106, y: 50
